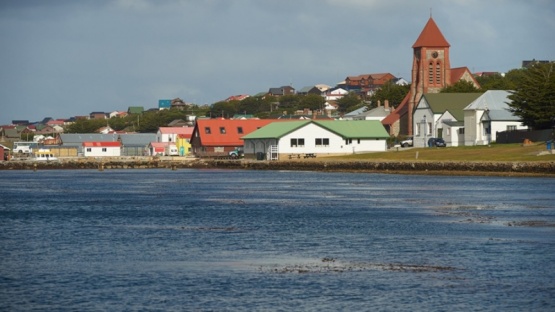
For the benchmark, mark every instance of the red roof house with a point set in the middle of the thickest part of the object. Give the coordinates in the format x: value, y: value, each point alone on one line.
x: 214, y: 137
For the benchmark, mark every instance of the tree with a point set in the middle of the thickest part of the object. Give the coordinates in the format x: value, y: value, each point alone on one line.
x: 348, y: 102
x: 462, y: 86
x: 289, y: 103
x: 86, y: 126
x: 392, y: 92
x: 533, y: 99
x: 312, y: 102
x: 224, y: 109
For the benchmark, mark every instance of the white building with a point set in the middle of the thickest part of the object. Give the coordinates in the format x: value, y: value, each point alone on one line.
x: 170, y: 134
x: 488, y: 115
x: 319, y: 138
x: 436, y: 113
x: 336, y: 94
x: 102, y: 149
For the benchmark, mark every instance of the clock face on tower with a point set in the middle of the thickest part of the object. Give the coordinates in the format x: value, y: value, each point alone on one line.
x: 435, y: 54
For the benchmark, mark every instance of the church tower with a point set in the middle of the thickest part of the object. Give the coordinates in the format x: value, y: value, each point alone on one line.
x: 431, y: 69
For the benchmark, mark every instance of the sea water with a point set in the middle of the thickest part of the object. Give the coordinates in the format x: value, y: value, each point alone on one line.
x: 235, y: 240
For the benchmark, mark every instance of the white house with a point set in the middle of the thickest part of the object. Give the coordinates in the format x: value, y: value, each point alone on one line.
x: 170, y: 134
x: 319, y: 138
x: 437, y: 114
x: 336, y: 94
x: 101, y: 149
x: 487, y: 115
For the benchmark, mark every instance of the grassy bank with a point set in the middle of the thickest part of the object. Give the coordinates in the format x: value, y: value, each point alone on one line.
x: 493, y: 153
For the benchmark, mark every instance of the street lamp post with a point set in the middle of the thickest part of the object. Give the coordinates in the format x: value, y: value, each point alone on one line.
x: 424, y: 130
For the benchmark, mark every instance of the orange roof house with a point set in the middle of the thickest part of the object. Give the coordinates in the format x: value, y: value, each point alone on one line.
x: 431, y: 72
x: 213, y: 137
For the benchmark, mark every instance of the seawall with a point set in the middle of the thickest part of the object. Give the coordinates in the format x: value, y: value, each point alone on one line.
x: 405, y: 167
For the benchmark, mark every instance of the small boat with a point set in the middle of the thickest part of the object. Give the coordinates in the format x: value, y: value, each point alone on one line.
x: 44, y: 155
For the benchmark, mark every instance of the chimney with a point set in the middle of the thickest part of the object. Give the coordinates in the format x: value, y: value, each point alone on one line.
x: 386, y: 104
x: 314, y: 114
x: 379, y: 103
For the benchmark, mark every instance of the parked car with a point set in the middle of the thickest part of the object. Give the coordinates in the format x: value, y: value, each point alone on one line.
x: 236, y: 153
x: 407, y: 142
x: 437, y: 142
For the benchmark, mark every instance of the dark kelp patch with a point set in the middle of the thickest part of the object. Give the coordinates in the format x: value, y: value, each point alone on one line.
x: 332, y: 265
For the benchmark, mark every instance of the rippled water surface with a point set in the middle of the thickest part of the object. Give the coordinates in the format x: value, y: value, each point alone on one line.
x: 212, y: 240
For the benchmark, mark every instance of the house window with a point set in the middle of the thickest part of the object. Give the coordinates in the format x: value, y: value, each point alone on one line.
x: 104, y: 150
x: 322, y: 142
x: 207, y: 130
x: 89, y: 149
x: 461, y: 130
x: 348, y: 141
x: 297, y: 142
x: 240, y: 130
x: 358, y: 141
x: 511, y: 128
x: 448, y: 131
x: 222, y: 130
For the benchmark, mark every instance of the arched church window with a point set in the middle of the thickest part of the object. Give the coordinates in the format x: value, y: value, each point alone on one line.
x: 438, y: 73
x: 431, y: 73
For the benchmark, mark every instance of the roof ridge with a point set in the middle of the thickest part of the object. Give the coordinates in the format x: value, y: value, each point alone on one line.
x: 431, y: 36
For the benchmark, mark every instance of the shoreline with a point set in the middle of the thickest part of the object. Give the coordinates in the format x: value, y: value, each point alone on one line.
x: 444, y: 168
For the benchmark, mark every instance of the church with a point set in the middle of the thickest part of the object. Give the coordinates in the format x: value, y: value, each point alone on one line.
x: 431, y: 71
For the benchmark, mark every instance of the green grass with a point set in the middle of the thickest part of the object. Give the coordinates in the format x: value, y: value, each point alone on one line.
x: 495, y: 152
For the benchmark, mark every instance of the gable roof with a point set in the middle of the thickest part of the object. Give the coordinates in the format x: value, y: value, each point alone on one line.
x: 76, y: 139
x: 431, y: 36
x: 230, y: 135
x: 495, y: 102
x: 137, y: 139
x: 101, y: 144
x: 175, y: 130
x: 452, y: 102
x: 401, y: 110
x: 348, y: 129
x: 379, y: 111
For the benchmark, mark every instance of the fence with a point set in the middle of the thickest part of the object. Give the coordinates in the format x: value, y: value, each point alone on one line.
x: 518, y: 136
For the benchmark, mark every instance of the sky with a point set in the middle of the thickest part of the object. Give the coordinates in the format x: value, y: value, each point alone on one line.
x: 64, y: 58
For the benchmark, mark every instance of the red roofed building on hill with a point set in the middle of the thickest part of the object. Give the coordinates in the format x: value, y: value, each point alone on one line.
x: 431, y: 72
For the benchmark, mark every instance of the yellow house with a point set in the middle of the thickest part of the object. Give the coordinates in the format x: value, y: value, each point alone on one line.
x: 183, y: 144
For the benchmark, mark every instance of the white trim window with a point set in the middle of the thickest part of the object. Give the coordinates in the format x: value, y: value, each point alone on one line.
x: 296, y: 142
x: 322, y: 142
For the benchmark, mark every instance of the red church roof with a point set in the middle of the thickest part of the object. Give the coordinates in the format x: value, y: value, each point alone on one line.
x: 431, y: 36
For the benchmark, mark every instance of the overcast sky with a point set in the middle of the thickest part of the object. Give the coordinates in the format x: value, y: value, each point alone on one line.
x: 62, y: 58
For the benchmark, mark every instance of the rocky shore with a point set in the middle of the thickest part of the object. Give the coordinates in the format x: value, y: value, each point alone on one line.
x: 404, y: 167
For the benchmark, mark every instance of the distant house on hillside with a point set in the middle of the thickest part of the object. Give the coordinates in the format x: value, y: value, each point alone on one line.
x: 97, y: 115
x: 281, y: 91
x: 239, y: 97
x: 368, y: 83
x: 178, y: 104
